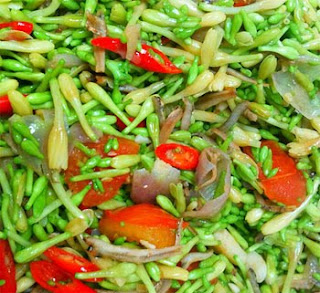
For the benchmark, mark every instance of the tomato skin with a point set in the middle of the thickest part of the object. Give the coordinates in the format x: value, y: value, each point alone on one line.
x: 177, y: 155
x: 144, y: 58
x: 141, y: 222
x: 288, y: 186
x: 93, y: 197
x: 45, y: 272
x: 71, y: 263
x: 7, y: 268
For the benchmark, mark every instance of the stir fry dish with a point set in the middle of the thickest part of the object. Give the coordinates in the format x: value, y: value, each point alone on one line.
x: 159, y: 146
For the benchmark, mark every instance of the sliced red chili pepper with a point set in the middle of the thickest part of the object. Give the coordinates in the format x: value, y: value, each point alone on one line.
x: 5, y: 106
x: 23, y: 26
x: 148, y: 58
x: 54, y: 279
x: 178, y: 155
x: 122, y: 126
x: 7, y: 269
x: 239, y: 3
x: 70, y: 262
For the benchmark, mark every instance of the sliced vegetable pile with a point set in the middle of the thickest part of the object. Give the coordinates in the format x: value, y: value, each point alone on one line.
x: 160, y: 146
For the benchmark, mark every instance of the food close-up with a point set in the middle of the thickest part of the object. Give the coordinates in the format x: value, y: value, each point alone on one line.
x: 159, y: 146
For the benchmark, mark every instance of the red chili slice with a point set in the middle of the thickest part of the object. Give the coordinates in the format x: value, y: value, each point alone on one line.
x: 23, y: 26
x: 7, y: 268
x: 178, y: 155
x: 239, y: 3
x: 54, y: 279
x: 148, y: 58
x: 5, y: 106
x: 70, y: 262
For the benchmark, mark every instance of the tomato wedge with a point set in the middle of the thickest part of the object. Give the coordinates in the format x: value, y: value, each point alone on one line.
x: 52, y: 278
x: 7, y: 268
x: 288, y: 186
x: 70, y: 262
x: 111, y: 187
x: 141, y: 222
x: 177, y: 155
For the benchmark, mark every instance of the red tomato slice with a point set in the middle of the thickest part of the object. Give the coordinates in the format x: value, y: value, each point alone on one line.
x: 93, y: 197
x: 288, y: 186
x: 122, y: 126
x: 54, y: 279
x: 141, y: 222
x: 70, y: 262
x: 126, y: 146
x: 7, y: 268
x: 111, y: 188
x: 177, y: 155
x: 280, y: 159
x: 289, y: 190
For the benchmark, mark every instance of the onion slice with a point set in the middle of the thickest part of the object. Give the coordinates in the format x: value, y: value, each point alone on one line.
x: 235, y: 115
x: 194, y: 257
x: 169, y: 124
x: 163, y: 286
x: 230, y: 247
x: 132, y: 33
x: 76, y: 133
x: 97, y: 25
x: 294, y: 94
x: 70, y: 60
x: 306, y: 280
x: 213, y: 99
x: 241, y: 76
x: 146, y: 186
x: 131, y: 254
x: 253, y: 281
x: 159, y: 108
x: 213, y: 166
x: 40, y: 129
x: 14, y: 35
x: 186, y: 118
